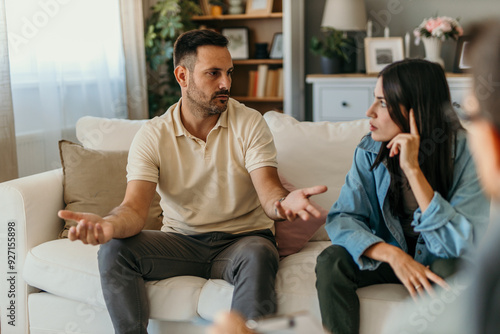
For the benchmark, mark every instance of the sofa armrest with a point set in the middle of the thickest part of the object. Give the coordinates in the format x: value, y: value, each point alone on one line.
x: 28, y: 217
x: 32, y: 202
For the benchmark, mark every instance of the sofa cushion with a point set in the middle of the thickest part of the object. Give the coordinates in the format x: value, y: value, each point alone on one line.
x: 292, y: 236
x: 69, y: 269
x: 107, y: 134
x: 298, y: 144
x: 95, y: 181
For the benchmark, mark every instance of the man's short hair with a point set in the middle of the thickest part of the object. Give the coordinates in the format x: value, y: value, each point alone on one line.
x: 186, y: 45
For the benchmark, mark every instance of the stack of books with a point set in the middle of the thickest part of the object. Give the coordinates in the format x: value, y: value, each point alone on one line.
x: 265, y: 82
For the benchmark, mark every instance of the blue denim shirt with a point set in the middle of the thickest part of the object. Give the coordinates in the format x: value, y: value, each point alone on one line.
x: 449, y: 228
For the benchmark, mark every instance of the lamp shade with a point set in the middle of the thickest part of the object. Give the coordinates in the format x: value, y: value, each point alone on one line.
x: 344, y: 15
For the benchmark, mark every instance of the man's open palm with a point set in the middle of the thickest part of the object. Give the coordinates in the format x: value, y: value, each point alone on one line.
x: 90, y: 228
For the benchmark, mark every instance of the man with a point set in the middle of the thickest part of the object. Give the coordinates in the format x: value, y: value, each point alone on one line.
x: 214, y: 163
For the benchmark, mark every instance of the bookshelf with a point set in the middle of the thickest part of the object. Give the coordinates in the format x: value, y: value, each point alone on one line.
x: 262, y: 29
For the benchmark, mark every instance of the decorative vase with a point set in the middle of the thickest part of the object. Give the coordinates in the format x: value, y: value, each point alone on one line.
x: 216, y: 10
x: 432, y: 47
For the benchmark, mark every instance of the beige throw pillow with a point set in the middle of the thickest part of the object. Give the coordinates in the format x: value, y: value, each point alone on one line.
x: 95, y: 181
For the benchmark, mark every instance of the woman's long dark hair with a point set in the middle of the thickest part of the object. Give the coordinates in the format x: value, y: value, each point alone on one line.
x: 420, y: 85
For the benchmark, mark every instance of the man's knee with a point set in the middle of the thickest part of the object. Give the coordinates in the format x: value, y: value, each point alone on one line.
x: 116, y: 252
x: 262, y: 251
x: 258, y: 254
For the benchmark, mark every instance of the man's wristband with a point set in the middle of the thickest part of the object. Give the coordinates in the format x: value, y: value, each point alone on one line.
x: 276, y: 208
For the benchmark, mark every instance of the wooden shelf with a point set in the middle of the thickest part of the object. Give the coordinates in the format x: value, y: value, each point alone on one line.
x: 265, y: 99
x: 261, y: 28
x: 258, y: 61
x: 237, y: 17
x: 371, y: 75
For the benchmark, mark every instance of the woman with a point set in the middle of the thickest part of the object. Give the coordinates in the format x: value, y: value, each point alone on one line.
x: 411, y: 205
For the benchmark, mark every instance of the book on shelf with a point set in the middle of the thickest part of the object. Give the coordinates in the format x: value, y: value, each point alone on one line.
x: 262, y: 70
x: 279, y: 85
x: 205, y: 7
x: 252, y: 75
x: 271, y: 83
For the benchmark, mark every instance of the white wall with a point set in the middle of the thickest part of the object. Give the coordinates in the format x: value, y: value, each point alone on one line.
x: 401, y: 16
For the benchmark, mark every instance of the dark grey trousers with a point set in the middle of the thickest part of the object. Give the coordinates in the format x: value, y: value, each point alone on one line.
x: 249, y: 261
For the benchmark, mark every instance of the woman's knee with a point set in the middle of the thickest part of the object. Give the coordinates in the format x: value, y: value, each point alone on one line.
x: 445, y: 267
x: 333, y: 261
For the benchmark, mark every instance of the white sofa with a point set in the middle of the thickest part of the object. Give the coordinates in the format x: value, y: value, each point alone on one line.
x: 55, y: 283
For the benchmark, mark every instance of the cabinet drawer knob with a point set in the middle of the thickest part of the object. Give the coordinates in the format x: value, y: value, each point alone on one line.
x: 345, y: 104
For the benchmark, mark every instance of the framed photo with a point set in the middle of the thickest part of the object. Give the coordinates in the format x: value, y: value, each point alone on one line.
x: 277, y: 46
x: 259, y: 6
x: 238, y: 42
x: 462, y: 61
x: 381, y: 51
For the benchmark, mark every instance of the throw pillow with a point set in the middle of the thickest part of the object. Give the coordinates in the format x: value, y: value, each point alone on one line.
x: 292, y: 236
x: 95, y: 181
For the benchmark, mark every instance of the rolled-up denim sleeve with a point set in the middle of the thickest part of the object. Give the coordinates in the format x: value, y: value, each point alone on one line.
x: 452, y: 228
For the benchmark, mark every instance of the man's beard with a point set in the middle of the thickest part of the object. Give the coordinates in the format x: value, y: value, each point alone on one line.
x: 206, y: 108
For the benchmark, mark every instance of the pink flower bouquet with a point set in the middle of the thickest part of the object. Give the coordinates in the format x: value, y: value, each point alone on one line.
x: 442, y: 27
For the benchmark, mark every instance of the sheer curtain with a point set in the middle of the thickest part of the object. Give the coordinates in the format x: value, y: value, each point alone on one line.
x: 8, y: 167
x: 66, y: 62
x: 132, y: 20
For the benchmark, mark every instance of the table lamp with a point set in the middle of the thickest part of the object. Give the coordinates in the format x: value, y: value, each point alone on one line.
x: 346, y: 15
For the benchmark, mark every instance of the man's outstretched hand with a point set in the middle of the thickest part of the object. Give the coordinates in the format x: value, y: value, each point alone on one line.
x: 90, y: 229
x: 297, y: 204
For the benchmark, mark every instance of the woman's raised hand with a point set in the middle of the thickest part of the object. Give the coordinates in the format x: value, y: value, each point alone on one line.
x: 407, y: 146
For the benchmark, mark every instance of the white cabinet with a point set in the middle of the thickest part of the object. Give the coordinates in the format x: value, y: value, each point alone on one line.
x: 345, y: 97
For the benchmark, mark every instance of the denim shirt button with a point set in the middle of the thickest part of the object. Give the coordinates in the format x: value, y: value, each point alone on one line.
x: 419, y: 252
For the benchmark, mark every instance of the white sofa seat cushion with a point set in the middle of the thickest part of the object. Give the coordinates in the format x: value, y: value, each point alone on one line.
x: 69, y: 269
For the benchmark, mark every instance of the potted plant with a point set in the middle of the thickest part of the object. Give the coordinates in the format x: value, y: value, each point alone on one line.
x: 332, y: 49
x: 168, y: 19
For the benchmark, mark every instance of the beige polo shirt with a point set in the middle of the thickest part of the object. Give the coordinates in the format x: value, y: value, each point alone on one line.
x: 205, y: 187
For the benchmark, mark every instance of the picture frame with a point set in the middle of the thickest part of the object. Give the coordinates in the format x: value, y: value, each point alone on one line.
x: 382, y: 51
x: 238, y: 42
x: 461, y: 63
x: 277, y: 46
x: 259, y: 7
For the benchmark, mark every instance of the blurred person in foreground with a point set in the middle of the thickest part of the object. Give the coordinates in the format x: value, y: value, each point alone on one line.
x: 483, y: 113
